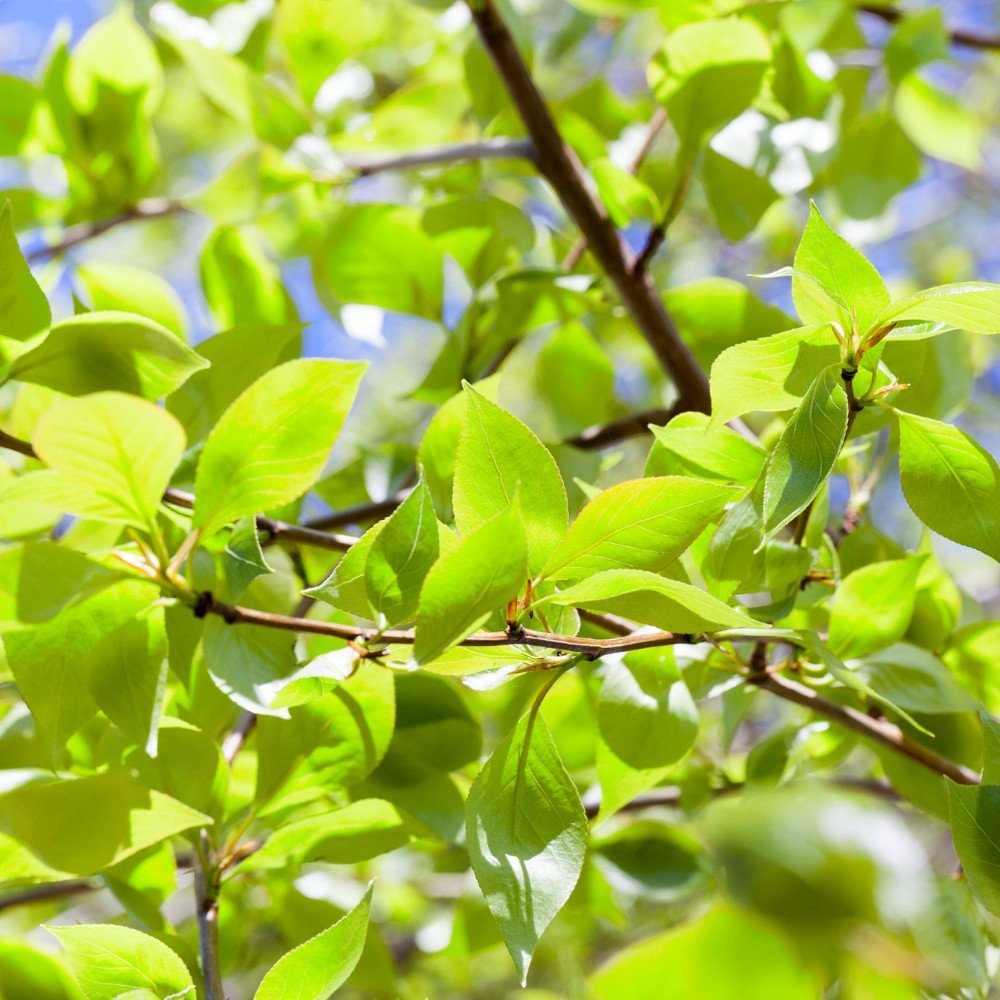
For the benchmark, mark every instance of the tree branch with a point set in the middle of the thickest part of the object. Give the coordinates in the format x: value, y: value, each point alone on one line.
x: 151, y: 208
x: 206, y: 893
x: 958, y: 36
x: 48, y: 891
x: 631, y: 425
x: 561, y: 167
x: 487, y: 149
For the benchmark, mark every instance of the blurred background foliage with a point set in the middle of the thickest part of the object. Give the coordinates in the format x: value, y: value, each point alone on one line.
x: 238, y: 129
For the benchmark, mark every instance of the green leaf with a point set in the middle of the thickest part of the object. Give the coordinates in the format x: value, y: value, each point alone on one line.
x: 951, y: 483
x: 352, y: 261
x: 625, y: 196
x: 123, y: 288
x: 692, y: 446
x: 24, y: 310
x: 844, y: 280
x: 708, y: 72
x: 108, y: 960
x: 400, y: 557
x: 975, y: 822
x: 248, y: 664
x: 737, y: 195
x: 273, y: 441
x: 872, y: 607
x: 650, y: 599
x: 336, y: 738
x: 914, y: 680
x: 114, y: 351
x: 49, y: 661
x: 484, y: 570
x: 770, y: 374
x: 645, y: 713
x: 498, y: 457
x: 356, y: 832
x: 527, y: 836
x: 938, y: 123
x: 119, y: 449
x: 27, y: 974
x: 968, y: 305
x: 313, y: 970
x: 640, y: 524
x: 241, y: 284
x: 82, y: 825
x: 758, y: 964
x: 806, y: 451
x: 345, y: 587
x: 244, y: 557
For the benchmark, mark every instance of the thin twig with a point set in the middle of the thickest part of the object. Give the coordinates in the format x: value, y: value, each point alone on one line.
x: 236, y: 740
x: 959, y: 36
x: 151, y: 208
x: 487, y: 149
x: 559, y: 164
x: 48, y: 891
x: 656, y: 124
x: 658, y: 233
x: 632, y: 425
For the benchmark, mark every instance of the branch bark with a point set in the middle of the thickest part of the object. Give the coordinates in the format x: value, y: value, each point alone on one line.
x: 488, y: 149
x: 562, y: 168
x: 207, y: 906
x: 958, y: 36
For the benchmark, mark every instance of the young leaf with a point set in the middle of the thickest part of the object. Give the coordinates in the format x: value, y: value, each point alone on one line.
x: 806, y: 451
x: 316, y: 968
x: 497, y: 457
x: 640, y: 524
x: 273, y: 441
x: 690, y: 446
x: 645, y: 713
x: 24, y: 310
x: 527, y: 836
x: 872, y: 607
x: 121, y: 449
x: 969, y: 305
x: 109, y: 351
x: 485, y: 570
x: 244, y: 557
x: 844, y: 279
x: 345, y: 587
x: 915, y: 680
x: 401, y: 554
x: 951, y: 483
x: 770, y: 374
x: 83, y: 825
x: 650, y: 599
x: 975, y: 822
x: 108, y: 961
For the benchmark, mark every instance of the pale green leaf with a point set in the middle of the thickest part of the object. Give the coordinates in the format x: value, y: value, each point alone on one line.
x: 114, y: 351
x: 400, y: 557
x: 108, y: 960
x: 968, y: 305
x: 770, y: 374
x: 316, y: 968
x: 527, y: 836
x: 24, y: 310
x: 806, y: 451
x: 975, y: 827
x: 485, y: 570
x: 650, y: 599
x: 640, y: 524
x: 950, y: 482
x: 872, y: 607
x: 83, y: 825
x: 939, y: 123
x: 123, y: 288
x: 121, y: 449
x: 690, y: 445
x: 499, y: 457
x: 270, y: 445
x: 844, y: 280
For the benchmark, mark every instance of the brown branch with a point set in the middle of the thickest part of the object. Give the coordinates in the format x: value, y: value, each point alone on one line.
x: 487, y: 149
x: 958, y: 36
x: 206, y: 891
x: 373, y: 510
x: 631, y: 425
x: 658, y: 233
x: 656, y: 124
x: 48, y: 891
x: 879, y: 731
x: 559, y: 164
x: 151, y: 208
